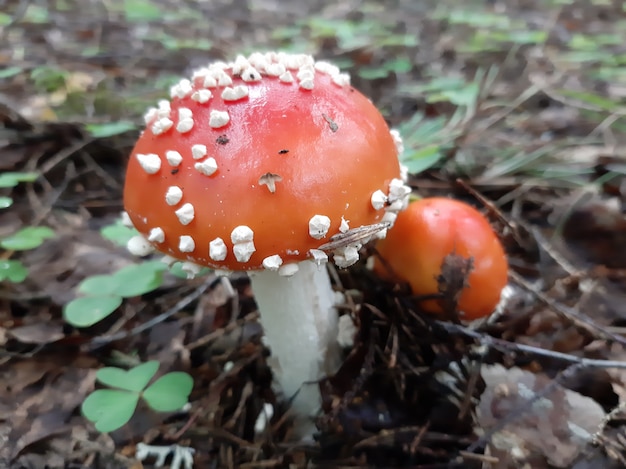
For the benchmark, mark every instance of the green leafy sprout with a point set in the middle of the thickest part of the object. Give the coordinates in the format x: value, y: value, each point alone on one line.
x: 103, y: 294
x: 24, y: 239
x: 27, y: 238
x: 427, y: 140
x: 110, y: 409
x: 11, y: 179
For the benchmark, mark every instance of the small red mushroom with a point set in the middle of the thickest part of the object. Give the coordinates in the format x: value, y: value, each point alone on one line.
x: 425, y: 234
x: 254, y: 165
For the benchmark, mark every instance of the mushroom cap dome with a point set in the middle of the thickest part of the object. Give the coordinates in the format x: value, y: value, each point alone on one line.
x: 260, y: 159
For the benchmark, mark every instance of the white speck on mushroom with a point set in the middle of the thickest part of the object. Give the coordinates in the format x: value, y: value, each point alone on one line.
x: 293, y: 252
x: 217, y: 250
x: 233, y: 94
x: 209, y: 81
x: 150, y: 114
x: 173, y: 157
x: 344, y: 225
x: 139, y: 246
x: 319, y: 256
x: 341, y: 79
x: 272, y: 263
x: 218, y: 119
x: 150, y: 162
x: 378, y: 199
x: 241, y: 234
x: 163, y: 124
x: 243, y: 251
x: 346, y: 256
x: 389, y: 217
x: 223, y: 78
x: 319, y: 226
x: 181, y: 89
x: 286, y: 77
x: 191, y: 269
x: 251, y: 74
x: 404, y: 172
x: 156, y: 235
x: 185, y: 214
x: 306, y: 72
x: 201, y: 96
x: 259, y: 60
x: 275, y: 70
x: 270, y: 180
x: 185, y: 120
x: 126, y: 221
x: 326, y: 67
x: 164, y: 108
x: 169, y: 260
x: 186, y: 244
x: 397, y: 139
x: 198, y: 151
x: 307, y: 84
x: 288, y: 270
x: 206, y: 167
x: 398, y: 190
x: 243, y: 246
x: 294, y: 61
x: 173, y: 195
x: 397, y: 206
x: 239, y: 65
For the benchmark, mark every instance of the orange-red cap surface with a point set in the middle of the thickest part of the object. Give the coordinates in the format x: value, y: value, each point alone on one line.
x: 263, y: 158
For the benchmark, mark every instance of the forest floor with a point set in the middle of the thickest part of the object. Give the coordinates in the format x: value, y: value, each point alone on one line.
x: 518, y: 107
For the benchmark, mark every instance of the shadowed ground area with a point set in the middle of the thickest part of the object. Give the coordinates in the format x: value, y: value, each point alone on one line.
x: 516, y: 107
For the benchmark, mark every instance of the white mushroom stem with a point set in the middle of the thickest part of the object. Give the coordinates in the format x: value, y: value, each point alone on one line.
x: 300, y: 323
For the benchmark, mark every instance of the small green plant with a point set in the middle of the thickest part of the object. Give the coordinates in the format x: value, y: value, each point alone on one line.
x: 27, y: 238
x: 110, y: 409
x: 118, y: 233
x: 48, y: 79
x: 395, y: 65
x: 103, y: 294
x: 24, y: 239
x: 12, y: 270
x: 109, y: 129
x: 142, y: 11
x: 11, y: 179
x: 9, y: 71
x: 36, y: 14
x: 427, y: 140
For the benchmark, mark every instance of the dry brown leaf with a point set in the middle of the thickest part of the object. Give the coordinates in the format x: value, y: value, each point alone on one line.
x: 554, y: 430
x: 39, y: 333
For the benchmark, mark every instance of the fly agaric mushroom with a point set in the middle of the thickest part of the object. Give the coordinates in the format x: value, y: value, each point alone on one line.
x: 426, y: 234
x: 269, y: 164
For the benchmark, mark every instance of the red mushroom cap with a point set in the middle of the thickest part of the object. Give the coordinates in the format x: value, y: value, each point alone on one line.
x: 425, y: 234
x: 257, y: 162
